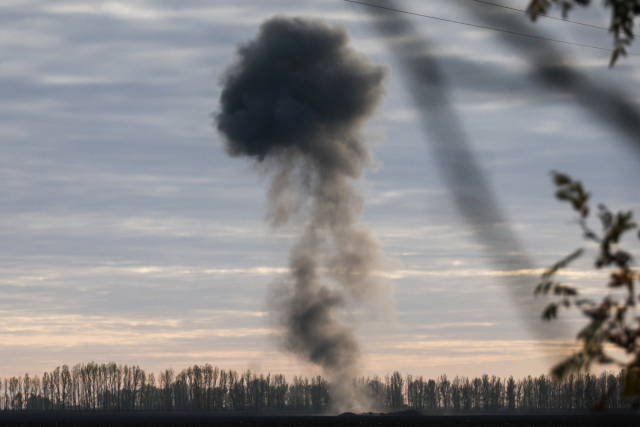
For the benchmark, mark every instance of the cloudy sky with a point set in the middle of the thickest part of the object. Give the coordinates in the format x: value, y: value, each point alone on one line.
x: 129, y: 235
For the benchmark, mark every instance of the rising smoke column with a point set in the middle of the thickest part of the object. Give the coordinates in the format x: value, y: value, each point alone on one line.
x: 295, y: 100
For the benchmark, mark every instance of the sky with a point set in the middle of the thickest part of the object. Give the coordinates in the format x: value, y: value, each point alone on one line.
x: 129, y: 235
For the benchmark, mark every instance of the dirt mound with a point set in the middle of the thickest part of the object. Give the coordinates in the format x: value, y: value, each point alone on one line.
x: 348, y: 414
x: 409, y: 413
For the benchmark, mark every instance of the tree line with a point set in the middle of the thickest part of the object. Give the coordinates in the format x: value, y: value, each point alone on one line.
x: 112, y: 387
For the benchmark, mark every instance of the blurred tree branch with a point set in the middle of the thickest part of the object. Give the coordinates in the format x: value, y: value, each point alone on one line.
x: 623, y: 13
x: 610, y: 321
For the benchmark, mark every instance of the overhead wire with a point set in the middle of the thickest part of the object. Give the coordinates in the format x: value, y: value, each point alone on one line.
x: 542, y: 15
x: 485, y: 27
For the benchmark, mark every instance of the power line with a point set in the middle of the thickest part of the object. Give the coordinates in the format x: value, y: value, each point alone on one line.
x: 486, y: 28
x: 542, y: 15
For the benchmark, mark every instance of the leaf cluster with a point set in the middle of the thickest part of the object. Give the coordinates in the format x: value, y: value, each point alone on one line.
x: 548, y: 286
x: 623, y: 13
x: 608, y: 320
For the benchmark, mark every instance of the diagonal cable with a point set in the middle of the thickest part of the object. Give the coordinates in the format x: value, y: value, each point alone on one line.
x: 484, y: 27
x: 543, y: 15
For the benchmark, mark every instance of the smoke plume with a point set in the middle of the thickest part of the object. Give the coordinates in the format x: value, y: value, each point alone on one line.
x: 295, y: 101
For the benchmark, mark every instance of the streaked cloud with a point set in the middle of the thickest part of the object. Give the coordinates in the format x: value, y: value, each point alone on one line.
x: 128, y: 235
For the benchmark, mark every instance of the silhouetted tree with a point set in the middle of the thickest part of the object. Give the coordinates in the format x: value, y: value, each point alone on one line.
x: 511, y: 393
x: 456, y: 396
x: 395, y: 391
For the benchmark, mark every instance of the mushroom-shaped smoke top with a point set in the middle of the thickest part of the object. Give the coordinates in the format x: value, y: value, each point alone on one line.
x: 299, y: 85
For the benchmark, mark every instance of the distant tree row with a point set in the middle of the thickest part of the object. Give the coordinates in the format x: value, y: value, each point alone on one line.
x: 580, y: 391
x: 112, y: 387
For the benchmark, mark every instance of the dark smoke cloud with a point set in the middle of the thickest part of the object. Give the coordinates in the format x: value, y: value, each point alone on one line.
x: 295, y: 100
x: 299, y: 86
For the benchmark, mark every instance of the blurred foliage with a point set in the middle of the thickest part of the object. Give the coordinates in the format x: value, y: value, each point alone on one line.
x: 623, y: 13
x: 611, y: 323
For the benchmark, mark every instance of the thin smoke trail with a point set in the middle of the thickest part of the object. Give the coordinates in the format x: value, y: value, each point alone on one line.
x: 295, y: 101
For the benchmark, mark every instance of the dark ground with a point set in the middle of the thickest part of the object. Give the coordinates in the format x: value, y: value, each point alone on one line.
x: 408, y: 419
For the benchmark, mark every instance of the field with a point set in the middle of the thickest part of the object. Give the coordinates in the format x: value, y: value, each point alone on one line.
x: 407, y: 418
